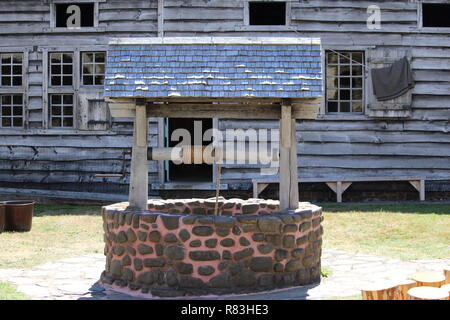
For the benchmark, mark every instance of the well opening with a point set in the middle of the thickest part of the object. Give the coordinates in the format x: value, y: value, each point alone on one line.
x: 179, y: 247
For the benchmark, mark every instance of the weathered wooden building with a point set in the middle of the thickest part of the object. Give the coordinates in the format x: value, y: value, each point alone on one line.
x: 56, y: 132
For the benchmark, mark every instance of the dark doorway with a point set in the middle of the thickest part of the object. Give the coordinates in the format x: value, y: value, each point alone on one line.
x: 188, y: 172
x: 267, y: 13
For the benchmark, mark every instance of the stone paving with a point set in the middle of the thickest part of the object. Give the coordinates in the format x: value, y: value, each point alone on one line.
x: 76, y: 278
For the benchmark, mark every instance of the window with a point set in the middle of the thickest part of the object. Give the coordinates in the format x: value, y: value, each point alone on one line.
x: 61, y: 69
x: 93, y: 68
x: 11, y: 110
x: 344, y: 82
x: 70, y: 15
x: 267, y: 13
x: 436, y: 15
x: 11, y: 69
x: 61, y: 110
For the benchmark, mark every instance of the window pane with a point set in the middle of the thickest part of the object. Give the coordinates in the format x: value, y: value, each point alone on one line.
x: 56, y: 81
x: 56, y: 111
x: 100, y: 57
x: 357, y: 94
x: 56, y: 99
x: 55, y: 57
x: 17, y: 58
x: 88, y: 69
x: 67, y: 99
x: 345, y: 95
x: 344, y: 82
x: 67, y: 81
x: 17, y: 122
x: 344, y: 70
x: 344, y: 57
x: 67, y: 69
x: 88, y: 80
x: 358, y: 57
x: 357, y: 70
x: 68, y: 111
x: 332, y: 106
x: 6, y: 81
x: 17, y: 111
x: 67, y: 57
x: 6, y: 99
x: 345, y: 107
x: 17, y: 81
x: 17, y: 70
x: 357, y: 106
x: 332, y: 57
x: 6, y: 58
x: 56, y: 122
x: 6, y: 111
x: 357, y: 82
x: 99, y: 68
x: 332, y: 94
x: 68, y: 122
x: 99, y: 80
x: 332, y: 71
x: 88, y: 57
x: 6, y: 122
x: 6, y: 70
x: 56, y: 69
x: 17, y: 99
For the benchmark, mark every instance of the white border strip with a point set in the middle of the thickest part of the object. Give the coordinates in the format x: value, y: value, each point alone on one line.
x: 215, y: 40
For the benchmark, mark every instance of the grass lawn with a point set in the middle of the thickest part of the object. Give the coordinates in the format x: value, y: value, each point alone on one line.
x: 406, y: 232
x: 8, y: 292
x: 398, y: 231
x: 57, y: 232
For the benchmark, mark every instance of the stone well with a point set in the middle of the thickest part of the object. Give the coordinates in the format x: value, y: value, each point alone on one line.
x: 179, y: 247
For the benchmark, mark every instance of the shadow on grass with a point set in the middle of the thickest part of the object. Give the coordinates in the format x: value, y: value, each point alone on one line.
x: 61, y: 210
x: 440, y: 209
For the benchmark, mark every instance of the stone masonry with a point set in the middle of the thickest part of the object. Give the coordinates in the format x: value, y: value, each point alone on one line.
x: 179, y: 247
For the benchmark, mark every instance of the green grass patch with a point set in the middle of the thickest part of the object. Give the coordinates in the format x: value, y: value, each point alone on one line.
x: 57, y: 232
x: 8, y: 292
x: 406, y: 232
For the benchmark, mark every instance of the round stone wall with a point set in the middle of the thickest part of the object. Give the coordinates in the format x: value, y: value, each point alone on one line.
x: 178, y: 247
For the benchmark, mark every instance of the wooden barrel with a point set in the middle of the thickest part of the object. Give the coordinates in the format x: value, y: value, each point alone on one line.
x: 19, y: 215
x: 2, y: 217
x: 428, y: 293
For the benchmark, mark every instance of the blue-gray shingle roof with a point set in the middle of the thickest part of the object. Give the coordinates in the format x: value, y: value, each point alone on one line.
x: 214, y: 69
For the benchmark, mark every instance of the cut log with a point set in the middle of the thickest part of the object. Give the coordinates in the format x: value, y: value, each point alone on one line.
x: 401, y: 291
x: 379, y: 291
x: 428, y: 293
x: 447, y: 274
x: 429, y: 279
x: 446, y: 287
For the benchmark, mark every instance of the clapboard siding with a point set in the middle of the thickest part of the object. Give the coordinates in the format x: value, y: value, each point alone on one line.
x: 328, y: 147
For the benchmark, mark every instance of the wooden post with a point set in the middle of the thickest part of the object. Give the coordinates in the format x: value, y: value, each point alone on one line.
x: 293, y: 196
x: 401, y: 291
x: 288, y: 159
x: 138, y: 193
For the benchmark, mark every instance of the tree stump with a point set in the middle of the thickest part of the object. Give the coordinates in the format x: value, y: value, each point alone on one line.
x: 447, y: 274
x: 446, y: 287
x: 429, y: 279
x: 379, y: 291
x: 401, y: 291
x: 428, y: 293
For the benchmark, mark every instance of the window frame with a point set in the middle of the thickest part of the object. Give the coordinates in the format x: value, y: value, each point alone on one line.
x: 363, y: 87
x: 22, y: 89
x: 94, y: 28
x: 248, y: 27
x: 94, y: 74
x: 62, y: 116
x: 62, y: 74
x: 76, y: 89
x: 420, y: 18
x: 12, y: 116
